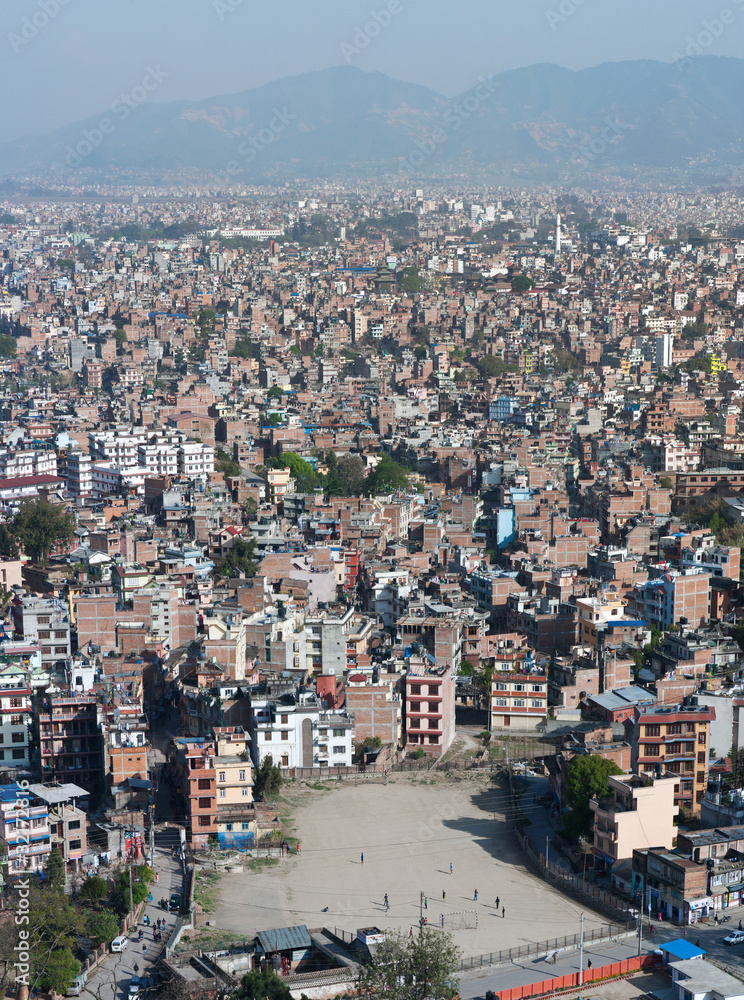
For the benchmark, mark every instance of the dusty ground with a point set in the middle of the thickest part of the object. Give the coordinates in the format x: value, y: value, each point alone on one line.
x: 409, y: 831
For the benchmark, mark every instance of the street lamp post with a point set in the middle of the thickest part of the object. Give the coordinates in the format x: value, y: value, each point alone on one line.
x: 581, y: 951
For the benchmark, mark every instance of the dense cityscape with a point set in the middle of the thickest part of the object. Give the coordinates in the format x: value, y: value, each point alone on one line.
x: 395, y: 529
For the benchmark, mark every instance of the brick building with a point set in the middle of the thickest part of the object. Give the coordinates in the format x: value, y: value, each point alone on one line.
x: 430, y: 707
x: 674, y: 740
x: 70, y: 741
x: 377, y: 707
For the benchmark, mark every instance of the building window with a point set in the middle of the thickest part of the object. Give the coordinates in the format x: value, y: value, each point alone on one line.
x: 20, y: 754
x: 652, y: 750
x: 674, y: 728
x: 205, y: 803
x: 285, y: 734
x: 338, y: 733
x: 244, y: 792
x: 16, y: 720
x: 337, y: 749
x: 652, y: 731
x: 700, y: 777
x: 267, y: 737
x: 701, y: 757
x: 500, y: 702
x: 221, y: 776
x: 285, y: 761
x: 223, y: 793
x: 204, y: 783
x: 285, y: 720
x: 701, y: 738
x: 205, y: 821
x: 519, y: 703
x: 75, y: 845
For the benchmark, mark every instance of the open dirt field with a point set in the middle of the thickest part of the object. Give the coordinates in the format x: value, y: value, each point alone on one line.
x: 409, y: 832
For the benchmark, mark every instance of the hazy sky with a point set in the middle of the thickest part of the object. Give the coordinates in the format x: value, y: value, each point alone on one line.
x: 78, y: 56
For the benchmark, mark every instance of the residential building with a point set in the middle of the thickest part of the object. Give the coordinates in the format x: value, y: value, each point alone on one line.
x: 236, y: 815
x: 430, y: 706
x: 519, y: 697
x: 639, y: 813
x: 674, y: 740
x: 376, y: 707
x: 195, y: 777
x: 300, y: 732
x: 44, y: 620
x: 68, y: 823
x: 24, y: 830
x: 71, y: 742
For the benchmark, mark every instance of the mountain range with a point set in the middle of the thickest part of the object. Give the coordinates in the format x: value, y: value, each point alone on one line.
x: 541, y: 122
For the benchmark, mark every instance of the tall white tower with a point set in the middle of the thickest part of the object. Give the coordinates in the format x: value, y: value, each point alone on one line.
x: 557, y: 235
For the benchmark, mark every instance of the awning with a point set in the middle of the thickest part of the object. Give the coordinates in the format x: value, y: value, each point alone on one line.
x: 698, y: 904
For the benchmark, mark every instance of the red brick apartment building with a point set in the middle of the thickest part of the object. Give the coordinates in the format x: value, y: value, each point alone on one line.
x: 430, y: 707
x: 71, y: 742
x: 193, y: 760
x: 675, y: 740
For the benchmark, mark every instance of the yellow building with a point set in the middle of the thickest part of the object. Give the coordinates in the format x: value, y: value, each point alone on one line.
x: 279, y: 482
x: 236, y: 816
x: 595, y: 612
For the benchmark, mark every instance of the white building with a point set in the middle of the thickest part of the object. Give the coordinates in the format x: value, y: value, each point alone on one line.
x: 110, y: 478
x: 301, y: 733
x: 664, y: 350
x: 79, y: 473
x: 119, y: 446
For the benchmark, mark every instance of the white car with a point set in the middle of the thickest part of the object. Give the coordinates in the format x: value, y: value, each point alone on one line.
x: 119, y: 943
x: 735, y: 937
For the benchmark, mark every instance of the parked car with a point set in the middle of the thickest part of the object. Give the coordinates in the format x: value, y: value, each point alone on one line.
x: 119, y: 943
x: 735, y: 937
x: 135, y: 985
x: 78, y: 985
x: 175, y: 903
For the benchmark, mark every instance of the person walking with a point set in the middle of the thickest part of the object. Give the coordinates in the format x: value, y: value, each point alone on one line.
x: 444, y: 895
x: 497, y: 902
x: 385, y: 900
x: 410, y: 933
x: 475, y: 896
x: 362, y: 857
x: 426, y: 903
x: 450, y: 867
x: 503, y: 912
x: 589, y: 963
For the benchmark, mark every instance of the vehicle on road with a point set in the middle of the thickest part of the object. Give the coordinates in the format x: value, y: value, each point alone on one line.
x: 175, y: 903
x: 119, y: 943
x: 735, y: 937
x: 77, y: 985
x: 135, y: 985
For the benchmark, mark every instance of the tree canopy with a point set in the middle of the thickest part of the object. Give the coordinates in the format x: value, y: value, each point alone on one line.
x: 39, y: 526
x: 257, y: 985
x: 587, y: 777
x: 240, y: 559
x: 267, y: 778
x: 345, y: 476
x: 490, y: 365
x: 411, y: 968
x: 304, y: 475
x: 387, y: 475
x: 521, y: 283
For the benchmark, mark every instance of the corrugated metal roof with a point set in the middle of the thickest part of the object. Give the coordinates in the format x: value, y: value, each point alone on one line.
x: 284, y: 939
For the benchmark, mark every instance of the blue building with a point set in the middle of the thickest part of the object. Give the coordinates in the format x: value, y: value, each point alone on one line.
x: 502, y: 408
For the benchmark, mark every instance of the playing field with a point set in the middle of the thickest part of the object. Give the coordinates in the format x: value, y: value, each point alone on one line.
x: 410, y: 832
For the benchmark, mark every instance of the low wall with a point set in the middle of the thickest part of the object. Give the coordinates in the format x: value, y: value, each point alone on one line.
x: 569, y: 982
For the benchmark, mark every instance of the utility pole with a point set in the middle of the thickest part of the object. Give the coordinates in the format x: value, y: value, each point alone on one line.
x: 421, y: 913
x: 547, y: 849
x: 131, y: 854
x: 581, y: 951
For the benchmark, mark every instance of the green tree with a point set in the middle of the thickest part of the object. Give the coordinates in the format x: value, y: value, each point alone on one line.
x: 258, y: 985
x: 521, y: 283
x: 420, y: 352
x: 410, y: 281
x: 387, y: 475
x: 411, y: 968
x: 587, y: 777
x: 54, y: 870
x: 8, y: 544
x: 490, y: 365
x: 102, y: 927
x: 242, y: 348
x: 94, y: 889
x: 665, y: 482
x: 305, y: 477
x: 267, y: 778
x: 240, y: 559
x: 346, y: 477
x: 53, y: 929
x: 226, y: 464
x: 120, y: 337
x: 7, y: 346
x: 40, y: 525
x: 59, y: 970
x: 120, y: 895
x: 275, y: 392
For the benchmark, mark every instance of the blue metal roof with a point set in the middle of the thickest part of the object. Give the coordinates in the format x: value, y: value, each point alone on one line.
x: 284, y: 939
x: 681, y: 949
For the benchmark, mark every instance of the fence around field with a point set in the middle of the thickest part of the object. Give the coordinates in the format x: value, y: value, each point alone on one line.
x: 614, y: 906
x: 569, y: 942
x: 570, y: 981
